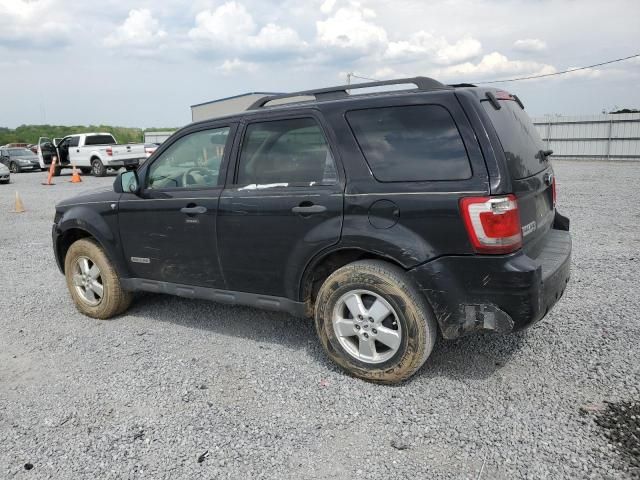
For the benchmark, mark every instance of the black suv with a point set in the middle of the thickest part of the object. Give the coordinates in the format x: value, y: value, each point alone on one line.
x: 385, y: 216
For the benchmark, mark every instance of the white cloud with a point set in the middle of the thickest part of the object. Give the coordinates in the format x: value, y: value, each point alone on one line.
x: 139, y: 34
x: 437, y: 49
x: 530, y: 45
x: 496, y: 65
x: 228, y: 24
x: 349, y: 29
x: 231, y: 30
x: 273, y: 37
x: 236, y: 65
x: 32, y: 23
x: 327, y: 6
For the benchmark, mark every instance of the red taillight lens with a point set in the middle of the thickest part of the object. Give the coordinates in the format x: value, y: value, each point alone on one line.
x: 554, y: 194
x: 493, y: 223
x: 109, y: 151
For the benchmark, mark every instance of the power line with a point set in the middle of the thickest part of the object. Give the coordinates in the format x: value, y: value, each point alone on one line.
x: 365, y: 78
x: 532, y: 76
x: 560, y: 73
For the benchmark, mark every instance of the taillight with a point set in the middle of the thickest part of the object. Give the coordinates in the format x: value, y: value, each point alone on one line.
x: 493, y: 223
x: 109, y: 151
x: 554, y: 194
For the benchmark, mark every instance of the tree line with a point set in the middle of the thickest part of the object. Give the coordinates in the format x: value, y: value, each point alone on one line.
x: 31, y: 133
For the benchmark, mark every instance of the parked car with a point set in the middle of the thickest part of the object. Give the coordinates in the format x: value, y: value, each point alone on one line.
x: 19, y: 159
x: 5, y: 175
x: 150, y: 148
x: 91, y: 152
x: 389, y: 217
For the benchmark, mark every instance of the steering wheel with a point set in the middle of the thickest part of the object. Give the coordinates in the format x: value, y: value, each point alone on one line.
x: 205, y: 172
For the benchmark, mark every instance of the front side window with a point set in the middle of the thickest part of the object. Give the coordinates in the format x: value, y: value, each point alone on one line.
x: 410, y: 143
x: 192, y: 161
x: 287, y: 152
x: 74, y: 141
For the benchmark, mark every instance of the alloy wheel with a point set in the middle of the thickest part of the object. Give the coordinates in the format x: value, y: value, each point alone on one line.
x: 366, y: 326
x: 87, y: 280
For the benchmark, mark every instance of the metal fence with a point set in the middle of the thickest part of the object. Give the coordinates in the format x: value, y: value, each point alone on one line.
x: 598, y: 137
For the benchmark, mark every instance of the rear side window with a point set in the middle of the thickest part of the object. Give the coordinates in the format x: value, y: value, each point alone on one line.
x: 520, y: 140
x: 410, y: 143
x: 291, y: 151
x: 99, y: 140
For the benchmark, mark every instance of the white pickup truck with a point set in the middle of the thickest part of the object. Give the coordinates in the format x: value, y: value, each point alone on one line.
x: 90, y: 152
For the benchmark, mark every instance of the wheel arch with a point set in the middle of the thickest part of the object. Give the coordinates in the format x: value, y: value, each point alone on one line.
x: 319, y: 268
x: 84, y: 223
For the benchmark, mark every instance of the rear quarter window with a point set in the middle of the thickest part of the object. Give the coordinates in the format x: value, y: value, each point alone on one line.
x: 99, y: 140
x: 519, y: 138
x: 410, y: 143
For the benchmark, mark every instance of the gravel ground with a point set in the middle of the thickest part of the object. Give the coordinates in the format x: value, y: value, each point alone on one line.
x: 189, y: 389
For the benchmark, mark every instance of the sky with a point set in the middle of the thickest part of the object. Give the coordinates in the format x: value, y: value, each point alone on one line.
x: 143, y: 63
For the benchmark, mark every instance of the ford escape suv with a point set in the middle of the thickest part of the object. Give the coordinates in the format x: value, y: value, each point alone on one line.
x: 387, y: 216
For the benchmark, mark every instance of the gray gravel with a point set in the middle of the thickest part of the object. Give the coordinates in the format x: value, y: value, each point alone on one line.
x: 190, y: 389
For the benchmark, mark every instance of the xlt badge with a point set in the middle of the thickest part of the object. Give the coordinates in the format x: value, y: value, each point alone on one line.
x: 529, y: 228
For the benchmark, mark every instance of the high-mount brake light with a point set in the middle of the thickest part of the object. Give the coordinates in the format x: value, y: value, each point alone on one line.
x: 492, y: 223
x: 502, y: 95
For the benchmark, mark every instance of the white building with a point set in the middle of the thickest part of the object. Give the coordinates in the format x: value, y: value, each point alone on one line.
x: 225, y: 106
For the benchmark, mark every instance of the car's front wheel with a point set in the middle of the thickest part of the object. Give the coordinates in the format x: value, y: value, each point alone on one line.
x: 373, y: 322
x: 14, y: 168
x: 93, y: 282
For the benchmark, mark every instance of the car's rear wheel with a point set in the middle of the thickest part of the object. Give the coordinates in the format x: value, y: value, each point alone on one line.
x: 14, y: 168
x: 93, y: 282
x: 373, y: 322
x: 97, y: 168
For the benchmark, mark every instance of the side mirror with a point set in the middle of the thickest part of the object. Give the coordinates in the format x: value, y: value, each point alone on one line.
x: 127, y: 182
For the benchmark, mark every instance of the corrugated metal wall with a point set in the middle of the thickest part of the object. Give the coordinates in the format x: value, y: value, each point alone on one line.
x: 609, y: 137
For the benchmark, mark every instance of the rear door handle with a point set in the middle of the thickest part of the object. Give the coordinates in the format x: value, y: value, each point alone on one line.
x: 309, y: 209
x: 194, y: 210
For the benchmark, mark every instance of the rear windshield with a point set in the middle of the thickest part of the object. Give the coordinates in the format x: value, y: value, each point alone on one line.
x: 520, y: 140
x: 99, y: 140
x: 410, y: 143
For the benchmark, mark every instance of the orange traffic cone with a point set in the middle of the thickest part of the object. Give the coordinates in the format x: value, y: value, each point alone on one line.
x: 19, y: 205
x: 52, y: 169
x: 75, y: 175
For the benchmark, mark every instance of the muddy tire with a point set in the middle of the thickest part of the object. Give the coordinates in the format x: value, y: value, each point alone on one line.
x: 93, y: 282
x: 373, y: 322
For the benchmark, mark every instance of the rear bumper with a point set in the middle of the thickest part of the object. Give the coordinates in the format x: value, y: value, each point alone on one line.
x: 132, y: 162
x: 497, y: 293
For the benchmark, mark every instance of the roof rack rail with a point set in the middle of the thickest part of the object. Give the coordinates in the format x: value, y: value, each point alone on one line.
x: 333, y: 93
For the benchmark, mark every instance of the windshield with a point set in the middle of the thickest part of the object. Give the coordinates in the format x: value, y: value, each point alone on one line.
x: 520, y: 140
x: 20, y: 152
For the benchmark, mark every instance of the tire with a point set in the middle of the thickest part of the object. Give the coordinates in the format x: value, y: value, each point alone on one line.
x: 114, y: 299
x: 97, y: 168
x: 14, y: 168
x: 413, y: 334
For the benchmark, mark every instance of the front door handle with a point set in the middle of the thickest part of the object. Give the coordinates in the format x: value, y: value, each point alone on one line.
x: 194, y: 210
x: 309, y: 209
